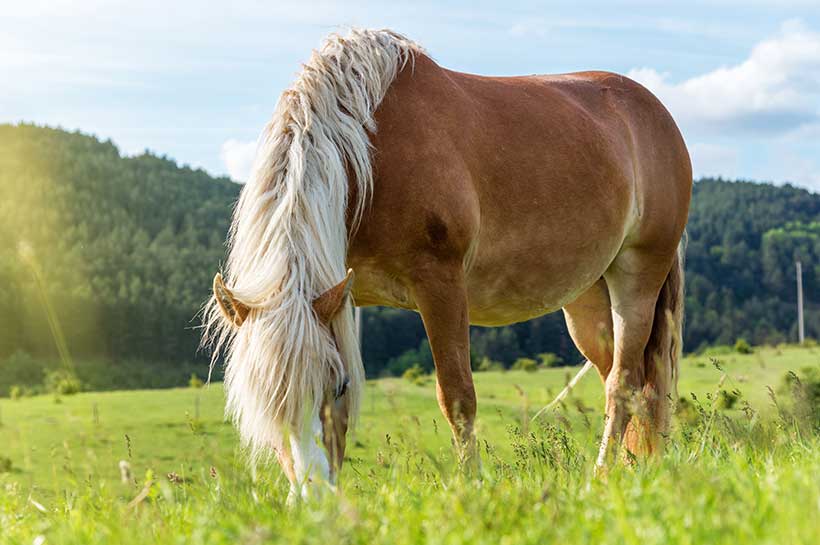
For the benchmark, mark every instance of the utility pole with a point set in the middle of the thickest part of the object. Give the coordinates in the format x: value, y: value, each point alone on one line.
x: 801, y: 332
x: 357, y: 317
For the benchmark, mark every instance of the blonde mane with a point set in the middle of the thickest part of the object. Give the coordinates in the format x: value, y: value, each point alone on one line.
x: 288, y: 240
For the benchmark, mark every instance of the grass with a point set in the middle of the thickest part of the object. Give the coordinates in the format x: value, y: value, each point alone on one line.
x: 745, y: 475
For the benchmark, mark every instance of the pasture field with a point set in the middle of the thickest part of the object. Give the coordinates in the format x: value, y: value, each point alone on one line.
x: 745, y: 474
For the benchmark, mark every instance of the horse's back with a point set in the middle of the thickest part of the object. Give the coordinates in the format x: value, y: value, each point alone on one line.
x: 590, y: 120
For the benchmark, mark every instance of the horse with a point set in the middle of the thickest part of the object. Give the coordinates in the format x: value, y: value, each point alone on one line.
x: 465, y: 198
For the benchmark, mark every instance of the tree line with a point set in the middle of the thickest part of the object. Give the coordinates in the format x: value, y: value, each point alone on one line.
x: 111, y: 257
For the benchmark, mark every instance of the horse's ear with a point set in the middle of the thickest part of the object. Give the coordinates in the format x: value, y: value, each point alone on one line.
x: 330, y: 302
x: 235, y: 311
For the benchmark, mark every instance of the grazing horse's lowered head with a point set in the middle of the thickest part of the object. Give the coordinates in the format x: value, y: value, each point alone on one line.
x: 281, y: 314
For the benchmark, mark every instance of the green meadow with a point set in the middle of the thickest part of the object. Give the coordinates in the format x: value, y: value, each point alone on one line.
x: 742, y: 466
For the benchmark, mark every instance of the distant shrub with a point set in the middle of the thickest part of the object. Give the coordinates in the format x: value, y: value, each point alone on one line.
x: 62, y: 382
x: 16, y: 391
x: 195, y: 382
x: 525, y: 364
x: 717, y: 350
x: 727, y: 400
x: 20, y: 369
x: 29, y: 373
x: 742, y: 347
x: 486, y: 364
x: 548, y: 359
x: 5, y: 464
x: 413, y: 373
x: 134, y: 374
x: 810, y: 343
x: 423, y: 357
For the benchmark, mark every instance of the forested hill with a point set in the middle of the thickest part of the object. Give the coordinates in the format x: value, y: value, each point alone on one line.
x: 744, y: 239
x: 126, y: 247
x: 122, y: 251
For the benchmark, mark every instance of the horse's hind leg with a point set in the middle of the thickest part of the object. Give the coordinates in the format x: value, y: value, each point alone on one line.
x: 634, y: 281
x: 441, y: 297
x: 589, y: 321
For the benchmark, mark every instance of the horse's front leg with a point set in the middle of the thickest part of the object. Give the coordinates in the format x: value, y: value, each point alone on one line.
x: 441, y: 298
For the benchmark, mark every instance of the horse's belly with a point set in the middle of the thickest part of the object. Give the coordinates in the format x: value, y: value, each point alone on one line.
x: 532, y: 283
x: 498, y: 294
x: 507, y: 303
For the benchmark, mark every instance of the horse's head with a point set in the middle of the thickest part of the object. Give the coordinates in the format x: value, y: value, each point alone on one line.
x: 294, y: 373
x: 311, y: 446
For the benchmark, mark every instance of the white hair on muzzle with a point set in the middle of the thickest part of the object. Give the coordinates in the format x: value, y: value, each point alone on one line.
x: 288, y: 240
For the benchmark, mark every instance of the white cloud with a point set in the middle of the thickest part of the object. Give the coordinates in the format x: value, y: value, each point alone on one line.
x: 800, y: 169
x: 775, y: 90
x: 238, y: 156
x: 714, y: 160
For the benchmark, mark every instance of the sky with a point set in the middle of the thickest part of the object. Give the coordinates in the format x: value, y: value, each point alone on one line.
x: 197, y: 81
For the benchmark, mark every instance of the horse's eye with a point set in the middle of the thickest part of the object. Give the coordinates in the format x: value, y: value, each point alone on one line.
x: 343, y: 388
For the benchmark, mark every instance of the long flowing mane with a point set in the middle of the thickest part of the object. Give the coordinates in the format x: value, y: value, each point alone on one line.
x: 288, y: 240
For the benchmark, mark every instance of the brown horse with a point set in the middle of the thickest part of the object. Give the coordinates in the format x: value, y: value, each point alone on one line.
x: 470, y: 199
